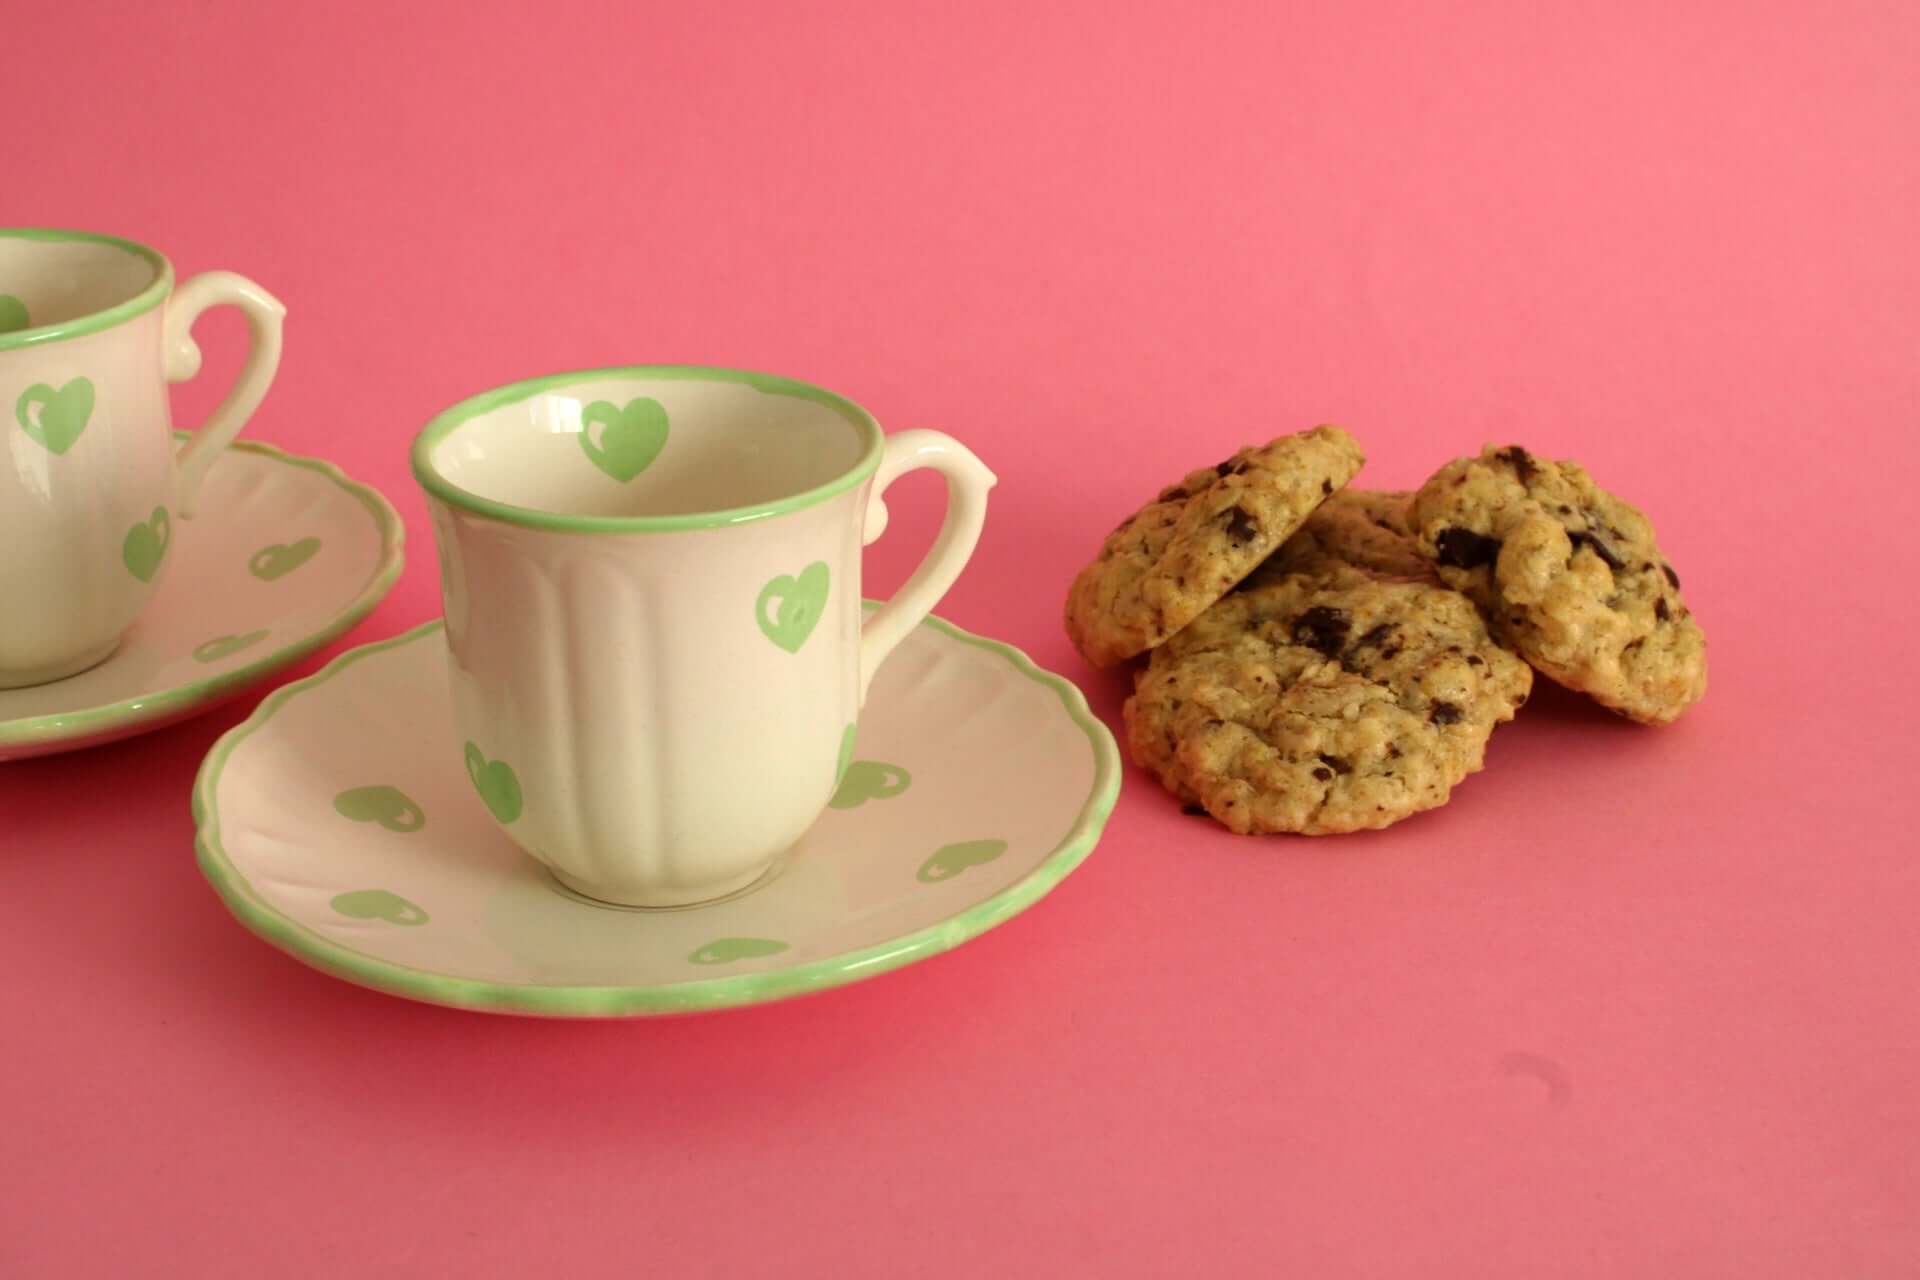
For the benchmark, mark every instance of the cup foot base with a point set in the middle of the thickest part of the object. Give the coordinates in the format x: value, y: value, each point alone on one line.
x: 667, y: 900
x: 26, y: 679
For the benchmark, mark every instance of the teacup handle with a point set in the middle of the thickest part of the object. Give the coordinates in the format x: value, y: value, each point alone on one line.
x: 967, y: 483
x: 264, y: 313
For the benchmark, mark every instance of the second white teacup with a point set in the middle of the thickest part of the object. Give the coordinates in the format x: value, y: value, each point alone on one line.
x: 91, y: 477
x: 652, y: 587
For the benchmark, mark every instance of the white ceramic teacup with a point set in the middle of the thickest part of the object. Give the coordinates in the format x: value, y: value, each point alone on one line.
x: 91, y: 477
x: 652, y: 587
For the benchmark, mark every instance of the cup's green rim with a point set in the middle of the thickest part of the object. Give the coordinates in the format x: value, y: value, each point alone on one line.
x: 444, y: 424
x: 94, y: 321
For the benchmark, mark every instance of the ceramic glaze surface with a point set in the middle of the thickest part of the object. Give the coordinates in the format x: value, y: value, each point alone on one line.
x: 671, y: 705
x: 286, y: 556
x: 341, y: 824
x: 652, y: 590
x: 91, y: 493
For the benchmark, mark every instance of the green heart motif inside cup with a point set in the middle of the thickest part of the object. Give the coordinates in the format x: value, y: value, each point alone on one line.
x: 226, y: 646
x: 55, y: 418
x: 391, y: 807
x: 870, y: 780
x: 281, y: 559
x: 797, y: 604
x: 145, y: 545
x: 13, y: 314
x: 727, y: 950
x: 496, y: 783
x: 378, y: 904
x: 630, y: 438
x: 950, y: 860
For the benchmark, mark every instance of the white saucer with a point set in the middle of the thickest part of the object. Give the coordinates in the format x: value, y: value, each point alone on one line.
x: 285, y: 554
x: 339, y: 824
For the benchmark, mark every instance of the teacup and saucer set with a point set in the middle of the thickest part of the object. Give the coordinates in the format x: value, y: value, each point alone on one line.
x: 660, y: 755
x: 146, y: 575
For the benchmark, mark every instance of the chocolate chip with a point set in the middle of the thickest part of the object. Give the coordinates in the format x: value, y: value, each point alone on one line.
x: 1241, y: 527
x: 1465, y: 549
x: 1194, y: 810
x: 1475, y: 660
x: 1326, y: 488
x: 1324, y: 775
x: 1374, y: 637
x: 1445, y: 713
x: 1231, y: 467
x: 1661, y: 611
x: 1322, y: 629
x: 1389, y: 653
x: 1520, y: 460
x: 1336, y: 764
x: 1601, y: 549
x: 1393, y: 750
x: 1672, y: 577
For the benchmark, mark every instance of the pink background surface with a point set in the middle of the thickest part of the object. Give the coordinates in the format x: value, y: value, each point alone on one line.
x: 1636, y: 1003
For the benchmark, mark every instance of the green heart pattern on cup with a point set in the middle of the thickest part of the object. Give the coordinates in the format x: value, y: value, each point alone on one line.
x: 630, y: 438
x: 870, y: 780
x: 145, y: 545
x: 277, y: 561
x: 13, y: 314
x: 378, y: 904
x: 496, y: 783
x: 797, y: 604
x: 847, y: 736
x: 55, y: 418
x: 391, y: 807
x: 950, y: 860
x: 728, y: 950
x: 226, y: 646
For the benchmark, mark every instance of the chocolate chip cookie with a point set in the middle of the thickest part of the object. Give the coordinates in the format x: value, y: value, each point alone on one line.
x: 1197, y: 539
x: 1367, y: 529
x: 1570, y: 576
x: 1324, y: 704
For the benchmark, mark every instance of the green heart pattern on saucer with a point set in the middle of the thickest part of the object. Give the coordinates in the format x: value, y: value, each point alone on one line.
x: 934, y: 837
x: 789, y: 607
x: 630, y: 438
x: 378, y: 904
x: 274, y: 562
x: 55, y: 417
x: 865, y: 780
x: 951, y: 859
x: 245, y: 592
x: 728, y: 950
x: 222, y: 647
x: 388, y: 806
x: 145, y: 545
x: 497, y: 784
x: 13, y: 314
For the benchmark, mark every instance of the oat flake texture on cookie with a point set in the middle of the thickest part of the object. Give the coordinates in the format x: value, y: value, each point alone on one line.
x: 1570, y: 576
x: 1321, y: 704
x: 1366, y: 529
x: 1197, y: 539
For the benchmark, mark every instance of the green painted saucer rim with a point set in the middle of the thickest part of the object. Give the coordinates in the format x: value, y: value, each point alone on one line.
x: 721, y: 992
x: 167, y: 706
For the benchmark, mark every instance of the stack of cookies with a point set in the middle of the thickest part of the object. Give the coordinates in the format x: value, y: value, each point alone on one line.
x: 1323, y: 659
